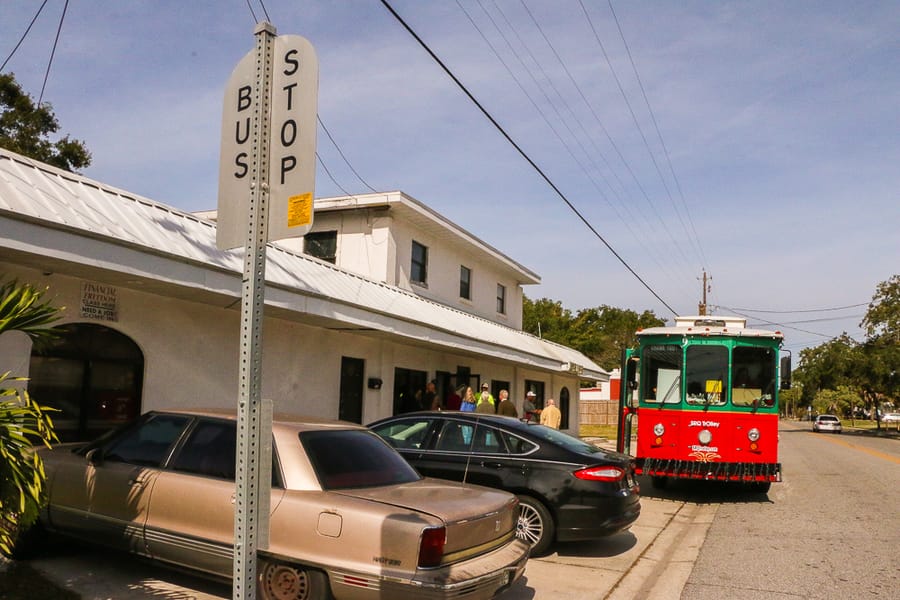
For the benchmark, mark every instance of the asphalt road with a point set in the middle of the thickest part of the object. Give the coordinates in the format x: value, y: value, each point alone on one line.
x: 830, y: 530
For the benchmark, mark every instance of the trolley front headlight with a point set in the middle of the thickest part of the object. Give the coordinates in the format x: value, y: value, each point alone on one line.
x: 753, y: 434
x: 658, y: 431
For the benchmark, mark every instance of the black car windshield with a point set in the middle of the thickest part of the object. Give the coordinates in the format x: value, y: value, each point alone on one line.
x: 563, y: 439
x: 351, y: 458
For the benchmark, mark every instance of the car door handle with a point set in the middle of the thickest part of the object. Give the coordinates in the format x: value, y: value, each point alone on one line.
x: 137, y: 478
x: 491, y: 465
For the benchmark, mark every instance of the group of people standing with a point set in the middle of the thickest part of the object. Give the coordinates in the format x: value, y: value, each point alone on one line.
x: 484, y: 402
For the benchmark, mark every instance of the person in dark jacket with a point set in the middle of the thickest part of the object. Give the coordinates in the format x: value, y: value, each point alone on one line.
x: 531, y: 412
x: 507, y: 407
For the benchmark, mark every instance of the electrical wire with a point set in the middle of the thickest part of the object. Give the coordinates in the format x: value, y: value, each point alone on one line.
x: 338, y: 148
x: 265, y: 12
x: 24, y: 35
x: 53, y: 52
x: 524, y: 154
x: 252, y: 12
x: 696, y: 237
x: 804, y: 310
x: 641, y: 133
x: 606, y: 133
x: 626, y: 206
x: 331, y: 177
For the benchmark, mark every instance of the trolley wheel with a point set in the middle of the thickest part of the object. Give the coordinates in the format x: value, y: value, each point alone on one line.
x: 292, y: 582
x: 535, y: 525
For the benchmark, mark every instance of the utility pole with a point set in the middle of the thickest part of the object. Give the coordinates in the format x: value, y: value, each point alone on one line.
x: 701, y: 308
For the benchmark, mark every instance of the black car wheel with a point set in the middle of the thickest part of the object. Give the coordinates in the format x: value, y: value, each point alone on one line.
x: 290, y: 582
x: 535, y: 525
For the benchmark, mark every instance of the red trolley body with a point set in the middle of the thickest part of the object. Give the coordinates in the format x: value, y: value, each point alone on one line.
x: 702, y: 399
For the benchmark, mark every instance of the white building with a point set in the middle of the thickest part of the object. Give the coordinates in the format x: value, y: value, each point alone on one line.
x: 152, y: 307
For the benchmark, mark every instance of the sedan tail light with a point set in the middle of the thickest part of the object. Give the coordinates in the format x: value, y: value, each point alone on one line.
x: 607, y: 473
x: 431, y: 549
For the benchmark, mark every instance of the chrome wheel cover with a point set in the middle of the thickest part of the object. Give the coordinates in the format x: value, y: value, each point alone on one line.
x: 529, y: 526
x: 281, y: 582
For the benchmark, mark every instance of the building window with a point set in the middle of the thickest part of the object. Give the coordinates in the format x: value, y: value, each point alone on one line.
x: 321, y: 244
x: 501, y: 299
x: 419, y: 270
x: 92, y: 375
x: 465, y: 282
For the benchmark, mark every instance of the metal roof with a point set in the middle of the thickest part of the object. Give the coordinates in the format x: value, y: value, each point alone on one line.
x: 42, y: 208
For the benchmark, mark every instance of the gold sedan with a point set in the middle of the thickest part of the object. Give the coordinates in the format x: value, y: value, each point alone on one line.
x: 349, y: 517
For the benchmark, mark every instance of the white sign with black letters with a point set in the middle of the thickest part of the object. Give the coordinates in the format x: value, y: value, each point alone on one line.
x: 292, y: 144
x: 99, y: 302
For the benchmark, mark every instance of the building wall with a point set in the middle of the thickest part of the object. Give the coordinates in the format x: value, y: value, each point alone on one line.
x: 374, y: 244
x: 444, y: 261
x: 191, y: 353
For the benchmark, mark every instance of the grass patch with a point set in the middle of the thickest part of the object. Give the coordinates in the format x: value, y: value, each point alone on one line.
x: 603, y: 431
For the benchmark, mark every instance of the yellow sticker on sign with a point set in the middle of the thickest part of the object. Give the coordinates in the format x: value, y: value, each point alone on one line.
x: 300, y: 210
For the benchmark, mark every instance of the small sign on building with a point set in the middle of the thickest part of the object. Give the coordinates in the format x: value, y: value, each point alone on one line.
x: 99, y: 302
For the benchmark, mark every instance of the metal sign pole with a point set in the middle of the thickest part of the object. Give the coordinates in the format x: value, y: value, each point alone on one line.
x: 252, y: 302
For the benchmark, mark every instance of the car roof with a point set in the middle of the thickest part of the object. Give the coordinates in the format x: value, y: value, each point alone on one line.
x: 466, y: 415
x: 298, y: 422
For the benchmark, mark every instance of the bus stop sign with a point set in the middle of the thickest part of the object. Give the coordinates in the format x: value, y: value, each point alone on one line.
x: 291, y: 152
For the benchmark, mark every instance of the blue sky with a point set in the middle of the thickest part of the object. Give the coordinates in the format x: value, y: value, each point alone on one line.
x: 770, y: 157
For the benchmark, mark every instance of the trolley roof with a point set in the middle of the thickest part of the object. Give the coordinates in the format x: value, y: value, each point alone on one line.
x: 711, y: 325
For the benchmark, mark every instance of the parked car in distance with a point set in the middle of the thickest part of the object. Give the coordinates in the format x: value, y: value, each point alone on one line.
x: 891, y: 418
x: 827, y: 423
x: 568, y: 489
x: 349, y: 517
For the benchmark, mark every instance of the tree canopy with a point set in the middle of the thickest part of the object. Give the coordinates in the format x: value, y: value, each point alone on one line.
x: 600, y: 333
x: 846, y: 368
x: 25, y: 128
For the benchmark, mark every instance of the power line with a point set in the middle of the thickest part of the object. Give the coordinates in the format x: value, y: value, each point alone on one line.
x: 654, y: 212
x: 53, y: 52
x: 640, y: 131
x: 331, y: 177
x: 338, y: 148
x: 24, y: 35
x: 794, y: 311
x: 696, y: 236
x: 627, y: 222
x: 522, y: 153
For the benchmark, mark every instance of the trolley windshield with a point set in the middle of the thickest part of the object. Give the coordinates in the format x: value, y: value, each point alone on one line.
x: 709, y: 374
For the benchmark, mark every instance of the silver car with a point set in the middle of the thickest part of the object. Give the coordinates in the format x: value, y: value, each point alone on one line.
x: 827, y: 423
x: 349, y: 517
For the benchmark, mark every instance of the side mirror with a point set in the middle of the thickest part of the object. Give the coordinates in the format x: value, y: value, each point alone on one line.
x: 785, y: 372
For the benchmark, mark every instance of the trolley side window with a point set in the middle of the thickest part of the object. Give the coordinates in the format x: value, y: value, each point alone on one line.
x: 754, y: 377
x: 706, y: 373
x: 662, y: 373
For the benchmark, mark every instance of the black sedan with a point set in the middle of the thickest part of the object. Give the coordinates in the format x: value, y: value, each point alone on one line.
x: 568, y: 489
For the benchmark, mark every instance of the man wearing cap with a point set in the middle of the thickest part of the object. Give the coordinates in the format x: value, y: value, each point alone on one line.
x: 530, y: 411
x: 485, y: 396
